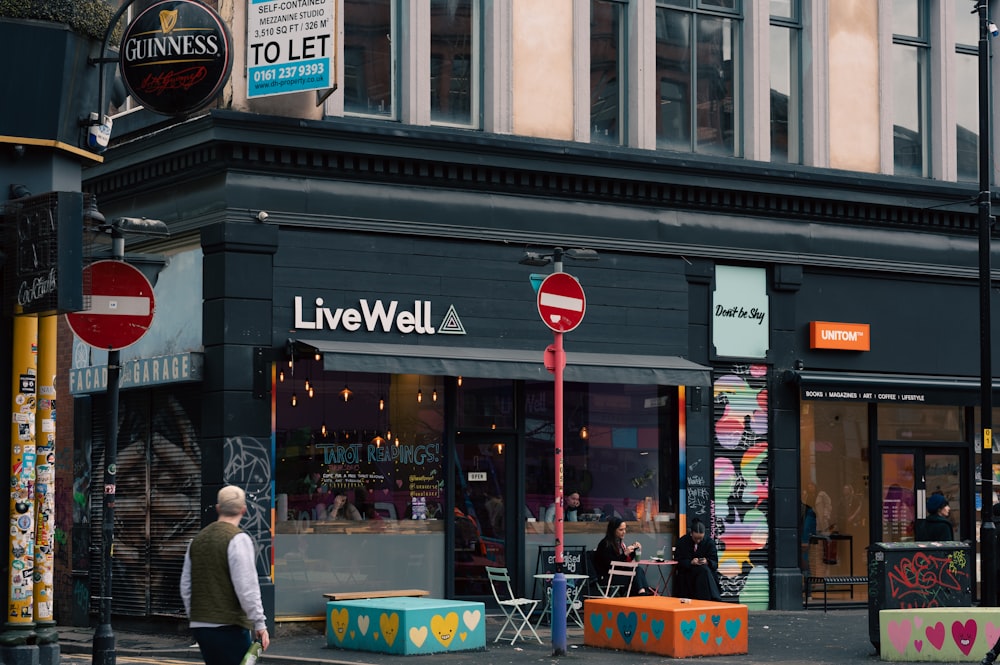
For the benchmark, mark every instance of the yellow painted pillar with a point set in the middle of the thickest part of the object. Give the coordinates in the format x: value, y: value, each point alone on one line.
x: 45, y: 475
x: 24, y: 366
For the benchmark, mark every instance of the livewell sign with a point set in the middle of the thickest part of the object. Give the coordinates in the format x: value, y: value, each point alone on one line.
x: 176, y: 56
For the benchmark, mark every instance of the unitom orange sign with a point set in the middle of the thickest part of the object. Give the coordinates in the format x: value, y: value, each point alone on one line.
x: 843, y: 336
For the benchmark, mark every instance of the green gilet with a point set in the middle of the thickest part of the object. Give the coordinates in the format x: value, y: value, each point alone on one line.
x: 213, y: 598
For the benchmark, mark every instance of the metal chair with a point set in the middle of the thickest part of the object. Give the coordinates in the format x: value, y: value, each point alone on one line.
x: 517, y: 610
x: 623, y: 570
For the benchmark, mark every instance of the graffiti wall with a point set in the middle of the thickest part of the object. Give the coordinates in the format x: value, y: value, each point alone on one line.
x: 247, y: 464
x: 741, y: 473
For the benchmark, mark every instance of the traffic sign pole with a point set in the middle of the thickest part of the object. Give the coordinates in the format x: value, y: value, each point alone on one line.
x: 561, y: 304
x: 559, y: 579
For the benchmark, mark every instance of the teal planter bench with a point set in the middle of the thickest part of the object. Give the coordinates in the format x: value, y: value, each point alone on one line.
x: 406, y: 626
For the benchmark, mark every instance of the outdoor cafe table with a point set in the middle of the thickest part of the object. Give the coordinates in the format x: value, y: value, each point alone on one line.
x: 662, y: 587
x: 572, y: 595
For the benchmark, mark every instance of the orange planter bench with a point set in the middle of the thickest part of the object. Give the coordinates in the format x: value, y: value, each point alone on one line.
x: 666, y: 626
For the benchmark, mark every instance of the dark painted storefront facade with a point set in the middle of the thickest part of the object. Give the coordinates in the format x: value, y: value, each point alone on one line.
x: 697, y: 335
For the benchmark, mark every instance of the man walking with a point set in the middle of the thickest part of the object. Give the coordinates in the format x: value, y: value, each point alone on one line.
x: 219, y: 585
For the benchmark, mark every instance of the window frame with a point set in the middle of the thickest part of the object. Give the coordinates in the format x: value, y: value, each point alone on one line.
x: 699, y: 11
x: 922, y: 44
x: 794, y: 119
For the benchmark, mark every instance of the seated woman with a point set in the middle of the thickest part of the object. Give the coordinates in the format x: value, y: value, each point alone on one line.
x: 342, y: 509
x: 613, y: 548
x: 697, y: 562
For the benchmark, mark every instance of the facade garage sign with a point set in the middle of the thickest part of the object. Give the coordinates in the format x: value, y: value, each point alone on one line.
x: 176, y: 56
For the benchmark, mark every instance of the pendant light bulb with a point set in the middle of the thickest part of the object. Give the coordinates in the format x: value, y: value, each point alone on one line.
x: 323, y: 430
x: 281, y: 376
x: 420, y: 396
x: 381, y: 404
x: 311, y: 391
x: 295, y: 400
x: 434, y: 395
x: 460, y: 381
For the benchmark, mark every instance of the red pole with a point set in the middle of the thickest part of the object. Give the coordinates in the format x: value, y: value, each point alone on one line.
x: 559, y: 580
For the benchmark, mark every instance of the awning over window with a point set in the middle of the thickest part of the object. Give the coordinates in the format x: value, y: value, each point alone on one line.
x: 506, y: 363
x: 889, y: 388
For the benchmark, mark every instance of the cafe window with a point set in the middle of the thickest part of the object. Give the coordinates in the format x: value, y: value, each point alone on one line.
x: 620, y: 450
x: 375, y: 439
x: 358, y: 472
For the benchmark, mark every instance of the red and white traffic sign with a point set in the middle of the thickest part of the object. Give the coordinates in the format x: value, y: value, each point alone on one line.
x: 121, y: 306
x: 561, y: 302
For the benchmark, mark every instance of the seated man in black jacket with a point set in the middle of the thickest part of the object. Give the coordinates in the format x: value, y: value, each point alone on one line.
x: 697, y: 562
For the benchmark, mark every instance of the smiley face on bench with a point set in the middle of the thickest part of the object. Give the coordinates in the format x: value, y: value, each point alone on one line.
x: 338, y: 621
x: 444, y: 628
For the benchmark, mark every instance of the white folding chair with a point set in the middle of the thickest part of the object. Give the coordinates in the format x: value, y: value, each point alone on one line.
x: 517, y: 610
x: 622, y: 570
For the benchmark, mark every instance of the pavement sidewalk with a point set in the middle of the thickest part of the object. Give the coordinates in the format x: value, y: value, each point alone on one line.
x: 832, y: 638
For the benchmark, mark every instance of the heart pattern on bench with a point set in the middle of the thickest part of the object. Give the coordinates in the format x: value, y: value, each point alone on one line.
x: 389, y: 623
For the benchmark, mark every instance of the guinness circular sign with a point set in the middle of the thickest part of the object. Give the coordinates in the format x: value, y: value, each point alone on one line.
x: 175, y: 56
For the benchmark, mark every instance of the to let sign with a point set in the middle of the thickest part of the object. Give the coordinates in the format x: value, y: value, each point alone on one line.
x: 561, y: 302
x: 121, y: 306
x: 289, y: 46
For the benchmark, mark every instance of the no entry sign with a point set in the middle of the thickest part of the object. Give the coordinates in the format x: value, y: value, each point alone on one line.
x: 121, y: 306
x: 561, y: 302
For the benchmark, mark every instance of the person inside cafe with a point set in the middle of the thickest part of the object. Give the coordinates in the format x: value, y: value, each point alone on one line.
x: 341, y: 509
x: 571, y: 508
x: 613, y: 548
x: 697, y: 565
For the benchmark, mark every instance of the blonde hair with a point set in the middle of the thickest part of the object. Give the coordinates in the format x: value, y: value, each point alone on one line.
x: 231, y: 501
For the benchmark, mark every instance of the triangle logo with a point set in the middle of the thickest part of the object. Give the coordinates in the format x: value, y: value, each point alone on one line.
x: 451, y: 324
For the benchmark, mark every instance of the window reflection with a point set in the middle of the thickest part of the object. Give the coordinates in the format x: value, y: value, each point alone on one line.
x: 368, y: 57
x: 453, y: 68
x: 786, y: 96
x: 910, y: 74
x: 706, y: 63
x: 967, y: 90
x: 607, y: 76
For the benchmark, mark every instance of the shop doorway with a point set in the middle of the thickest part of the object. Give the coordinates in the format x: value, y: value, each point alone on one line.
x: 908, y: 475
x: 481, y: 507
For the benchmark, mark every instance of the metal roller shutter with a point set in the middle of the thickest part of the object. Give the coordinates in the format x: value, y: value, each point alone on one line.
x: 158, y: 492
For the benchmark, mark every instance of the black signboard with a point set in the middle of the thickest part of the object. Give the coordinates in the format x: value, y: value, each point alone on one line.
x: 46, y: 234
x: 176, y: 56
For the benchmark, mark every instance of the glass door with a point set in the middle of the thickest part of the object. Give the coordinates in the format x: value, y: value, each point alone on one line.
x: 908, y: 477
x: 480, y: 486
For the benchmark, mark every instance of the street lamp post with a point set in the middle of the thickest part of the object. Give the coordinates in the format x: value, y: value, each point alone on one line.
x: 987, y: 534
